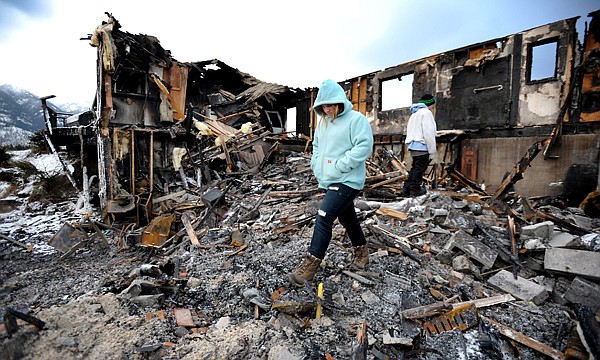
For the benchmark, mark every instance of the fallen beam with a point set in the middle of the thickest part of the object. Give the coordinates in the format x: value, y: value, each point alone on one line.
x: 516, y: 173
x: 358, y: 278
x: 589, y: 327
x: 526, y: 340
x: 360, y: 343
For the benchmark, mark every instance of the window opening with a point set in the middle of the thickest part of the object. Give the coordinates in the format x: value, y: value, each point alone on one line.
x: 275, y: 121
x: 543, y: 61
x: 397, y: 92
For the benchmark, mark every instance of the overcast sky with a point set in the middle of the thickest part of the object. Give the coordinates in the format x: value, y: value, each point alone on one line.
x: 294, y: 43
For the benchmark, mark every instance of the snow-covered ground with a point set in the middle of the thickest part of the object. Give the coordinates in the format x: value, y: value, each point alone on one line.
x: 31, y: 223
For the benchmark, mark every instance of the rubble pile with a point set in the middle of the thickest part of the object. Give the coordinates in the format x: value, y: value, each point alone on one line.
x: 452, y: 275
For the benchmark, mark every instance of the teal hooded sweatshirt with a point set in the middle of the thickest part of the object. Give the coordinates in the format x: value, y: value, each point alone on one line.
x: 341, y: 147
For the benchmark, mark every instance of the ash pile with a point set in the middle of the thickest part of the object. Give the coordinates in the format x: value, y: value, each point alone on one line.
x: 454, y: 274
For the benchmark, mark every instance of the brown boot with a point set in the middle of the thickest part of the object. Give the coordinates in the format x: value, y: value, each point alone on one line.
x: 360, y: 259
x: 305, y: 272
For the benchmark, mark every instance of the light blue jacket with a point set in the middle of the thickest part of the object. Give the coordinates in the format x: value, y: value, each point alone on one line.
x: 341, y: 147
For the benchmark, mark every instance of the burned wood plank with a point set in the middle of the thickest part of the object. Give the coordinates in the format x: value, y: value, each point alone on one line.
x: 394, y: 161
x: 461, y: 179
x: 462, y: 318
x: 398, y: 242
x: 358, y: 278
x: 426, y: 310
x: 295, y: 225
x: 257, y: 205
x: 392, y: 213
x: 485, y: 302
x: 513, y: 242
x: 389, y: 181
x: 360, y: 343
x: 388, y: 175
x: 526, y: 340
x: 589, y: 327
x: 27, y: 248
x: 227, y: 155
x: 441, y: 307
x: 516, y: 173
x: 563, y: 224
x: 186, y: 219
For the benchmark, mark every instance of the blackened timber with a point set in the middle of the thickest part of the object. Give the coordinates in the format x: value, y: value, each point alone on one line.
x: 10, y: 320
x: 525, y: 340
x: 295, y: 225
x: 502, y: 251
x: 589, y: 327
x: 564, y: 224
x: 513, y: 242
x: 247, y: 216
x: 394, y: 161
x: 400, y: 245
x: 557, y: 131
x: 517, y: 172
x: 460, y: 178
x: 391, y: 174
x: 360, y: 343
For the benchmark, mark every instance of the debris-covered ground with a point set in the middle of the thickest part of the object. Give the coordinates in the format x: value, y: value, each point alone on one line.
x: 441, y: 283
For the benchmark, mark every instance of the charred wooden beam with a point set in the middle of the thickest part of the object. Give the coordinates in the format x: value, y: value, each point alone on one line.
x: 388, y: 181
x: 397, y: 242
x: 526, y: 340
x: 388, y: 175
x: 554, y: 138
x: 563, y: 224
x: 27, y: 248
x: 10, y: 320
x: 394, y: 161
x: 358, y: 278
x: 186, y: 219
x: 360, y: 343
x: 505, y: 254
x: 589, y: 327
x: 461, y: 179
x: 295, y: 225
x: 516, y: 173
x: 513, y: 242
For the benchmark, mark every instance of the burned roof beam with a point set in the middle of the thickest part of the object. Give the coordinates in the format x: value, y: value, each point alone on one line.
x: 517, y: 172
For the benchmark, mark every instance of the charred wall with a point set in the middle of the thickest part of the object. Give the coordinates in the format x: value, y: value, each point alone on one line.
x: 504, y: 98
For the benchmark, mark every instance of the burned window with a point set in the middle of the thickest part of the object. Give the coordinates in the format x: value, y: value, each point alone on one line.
x: 541, y: 60
x: 396, y: 92
x: 275, y: 120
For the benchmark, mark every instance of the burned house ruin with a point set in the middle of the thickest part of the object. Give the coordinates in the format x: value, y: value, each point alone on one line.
x: 206, y: 196
x: 497, y: 100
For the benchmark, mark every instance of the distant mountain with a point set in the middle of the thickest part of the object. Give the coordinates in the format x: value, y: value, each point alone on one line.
x: 21, y: 115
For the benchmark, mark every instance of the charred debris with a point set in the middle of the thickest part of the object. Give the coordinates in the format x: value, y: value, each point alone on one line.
x: 190, y: 166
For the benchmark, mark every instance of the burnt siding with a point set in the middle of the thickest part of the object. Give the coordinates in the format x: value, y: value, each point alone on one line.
x: 470, y: 107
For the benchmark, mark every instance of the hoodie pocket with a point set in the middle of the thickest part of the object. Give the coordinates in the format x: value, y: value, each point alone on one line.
x: 330, y: 172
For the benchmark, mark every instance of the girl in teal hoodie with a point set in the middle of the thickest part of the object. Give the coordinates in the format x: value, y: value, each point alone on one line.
x: 342, y: 143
